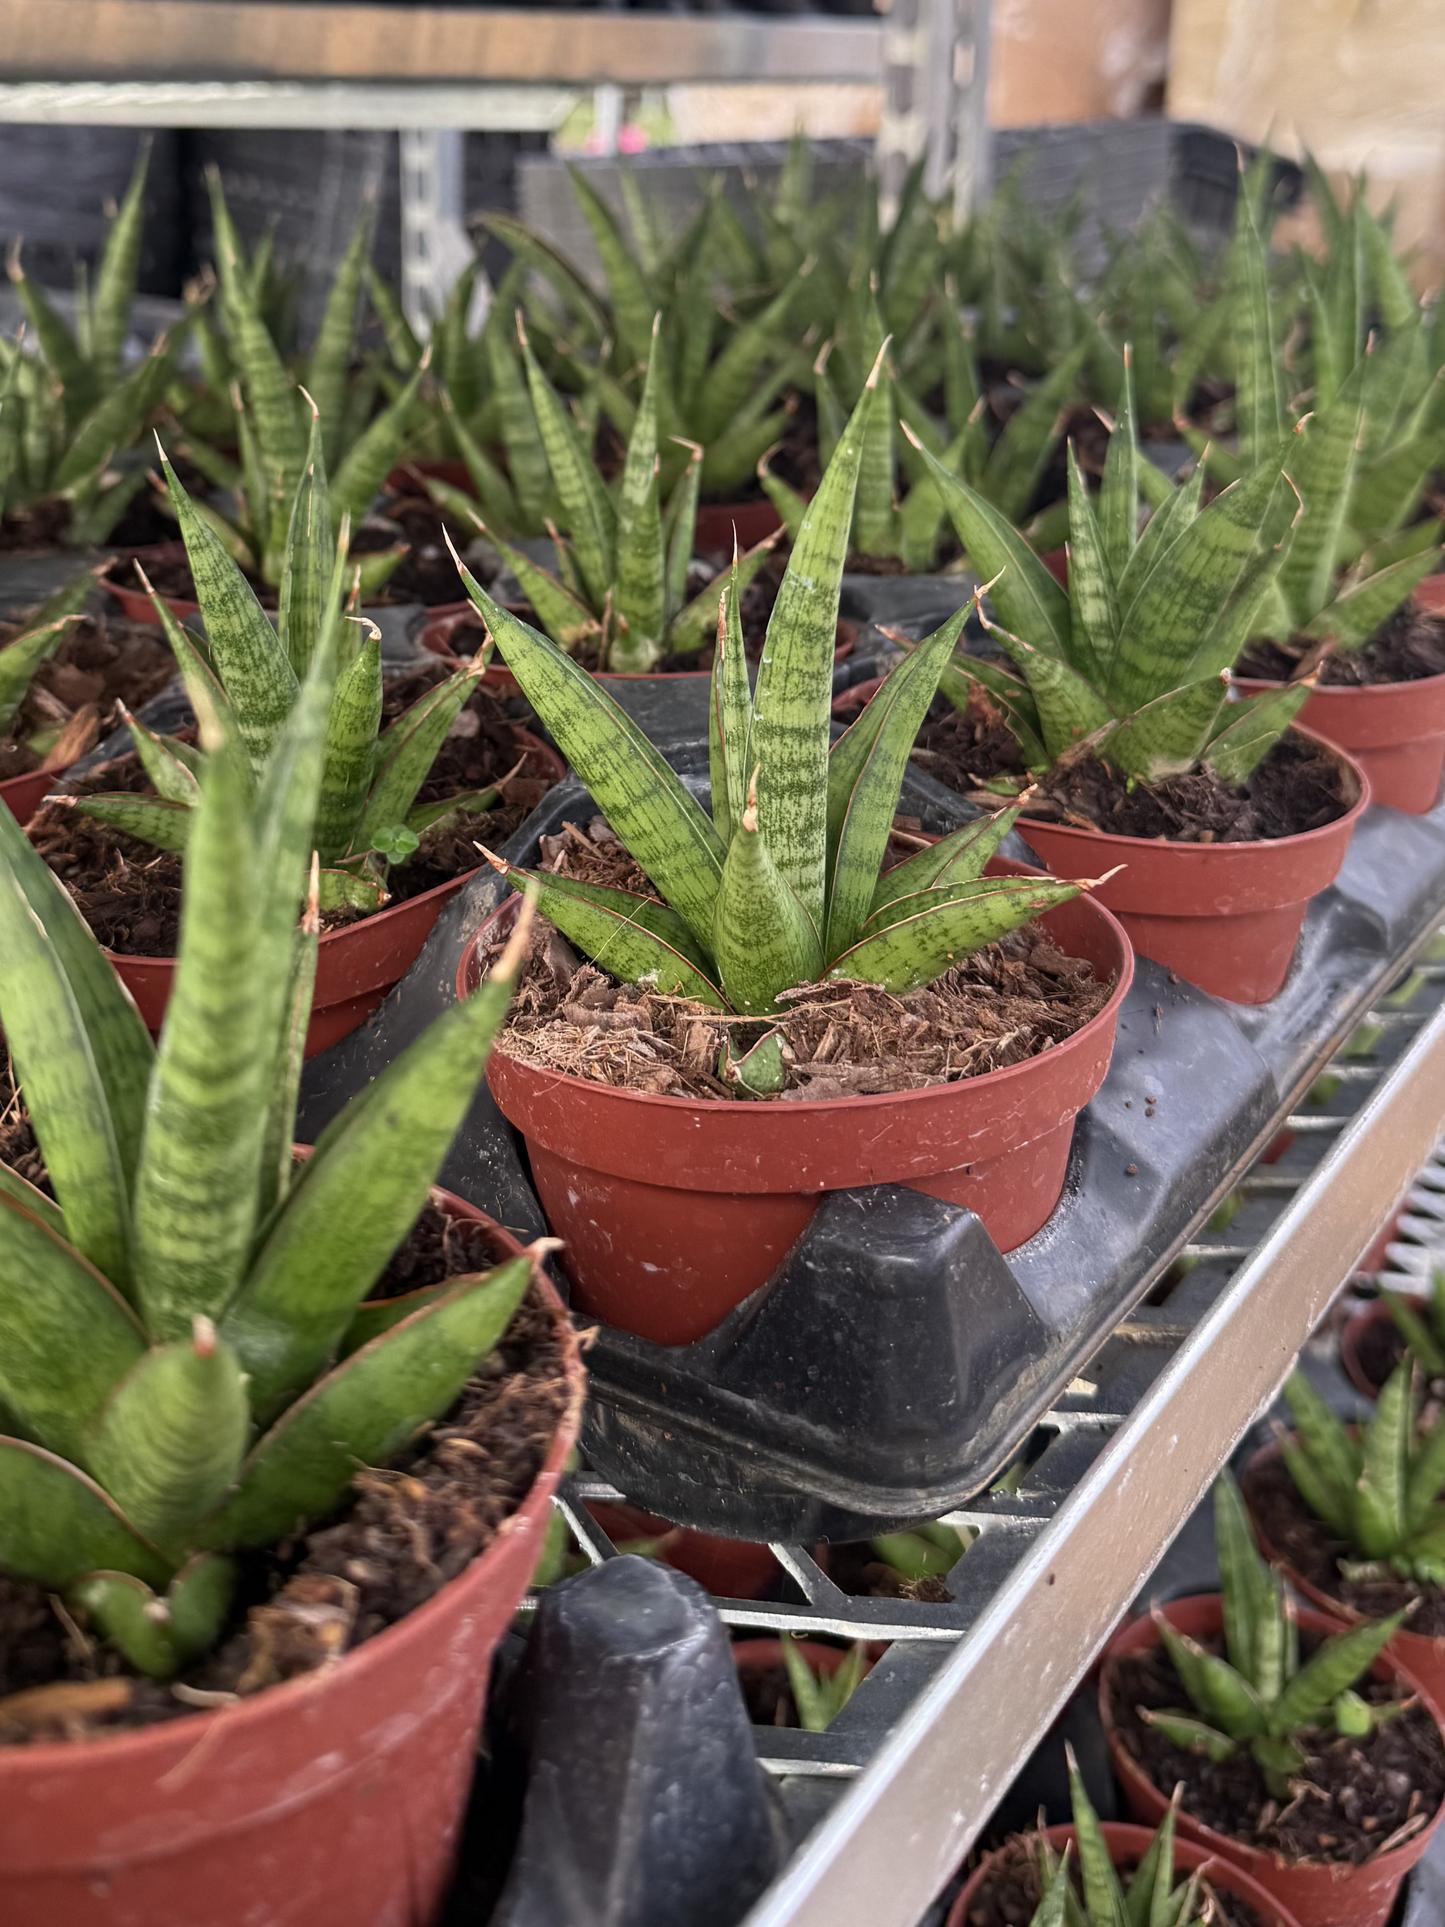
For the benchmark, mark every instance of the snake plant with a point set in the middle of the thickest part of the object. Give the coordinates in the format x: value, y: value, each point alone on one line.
x: 368, y: 817
x: 34, y: 645
x: 1387, y: 388
x: 1340, y: 495
x: 187, y: 1364
x: 1132, y: 662
x: 909, y: 522
x: 623, y: 580
x: 71, y: 409
x: 729, y: 344
x: 780, y: 886
x: 1148, y: 1898
x: 1261, y: 1696
x: 819, y: 1697
x: 272, y: 411
x: 1379, y: 1491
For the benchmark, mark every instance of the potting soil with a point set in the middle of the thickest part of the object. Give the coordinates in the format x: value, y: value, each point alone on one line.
x: 96, y: 665
x: 1407, y: 648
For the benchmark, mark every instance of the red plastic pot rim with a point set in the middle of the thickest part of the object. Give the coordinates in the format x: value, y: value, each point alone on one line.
x: 1167, y: 879
x: 131, y: 1748
x: 1204, y: 1612
x: 739, y: 1147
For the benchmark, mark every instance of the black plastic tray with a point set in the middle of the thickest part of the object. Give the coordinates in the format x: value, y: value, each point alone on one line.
x: 897, y: 1359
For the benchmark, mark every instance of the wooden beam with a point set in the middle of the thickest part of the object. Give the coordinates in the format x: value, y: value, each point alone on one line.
x: 268, y: 40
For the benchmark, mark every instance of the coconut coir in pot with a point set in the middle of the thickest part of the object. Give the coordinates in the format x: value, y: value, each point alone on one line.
x: 1407, y: 648
x: 96, y: 665
x: 1004, y: 1004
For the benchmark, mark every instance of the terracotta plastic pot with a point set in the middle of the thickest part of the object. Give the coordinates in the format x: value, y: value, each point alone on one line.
x: 355, y: 966
x: 673, y: 1210
x: 330, y: 1801
x: 1366, y: 1318
x: 23, y: 795
x: 1127, y: 1847
x: 729, y: 1568
x: 1226, y: 916
x: 1395, y: 731
x: 1419, y: 1654
x: 753, y: 522
x: 1317, y: 1893
x: 135, y: 604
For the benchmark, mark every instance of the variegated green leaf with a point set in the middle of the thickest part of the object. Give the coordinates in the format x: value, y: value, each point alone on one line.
x: 1168, y: 736
x: 764, y: 940
x: 921, y: 947
x: 165, y: 824
x: 792, y: 703
x: 368, y: 1408
x: 634, y: 786
x: 1239, y: 748
x: 56, y: 1525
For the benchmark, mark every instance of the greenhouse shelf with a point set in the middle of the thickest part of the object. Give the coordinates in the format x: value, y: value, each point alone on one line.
x: 891, y: 1797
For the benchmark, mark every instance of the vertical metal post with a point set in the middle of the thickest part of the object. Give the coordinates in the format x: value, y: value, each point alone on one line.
x: 935, y: 100
x: 969, y: 72
x: 606, y: 117
x: 434, y: 246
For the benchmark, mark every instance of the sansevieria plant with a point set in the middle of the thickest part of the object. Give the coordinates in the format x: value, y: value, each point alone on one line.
x: 780, y: 886
x: 1340, y: 498
x: 368, y: 817
x: 187, y: 1367
x: 70, y: 409
x: 273, y: 414
x: 624, y: 570
x: 1133, y: 661
x: 1260, y: 1695
x: 1378, y: 1490
x: 1147, y: 1897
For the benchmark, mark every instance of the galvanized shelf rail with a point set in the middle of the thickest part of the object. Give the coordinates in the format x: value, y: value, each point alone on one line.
x: 905, y: 1779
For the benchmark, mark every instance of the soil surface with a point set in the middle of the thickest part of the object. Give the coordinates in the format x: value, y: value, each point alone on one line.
x: 1380, y: 1348
x: 964, y: 749
x: 404, y: 1534
x: 1013, y: 1891
x: 1298, y: 787
x: 18, y: 1146
x: 97, y: 664
x: 1407, y: 648
x: 1002, y: 1005
x: 427, y: 573
x: 130, y: 893
x: 1353, y: 1798
x: 1306, y: 1543
x: 35, y: 525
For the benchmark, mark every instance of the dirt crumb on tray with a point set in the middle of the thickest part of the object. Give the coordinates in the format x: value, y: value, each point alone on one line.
x: 1004, y: 1004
